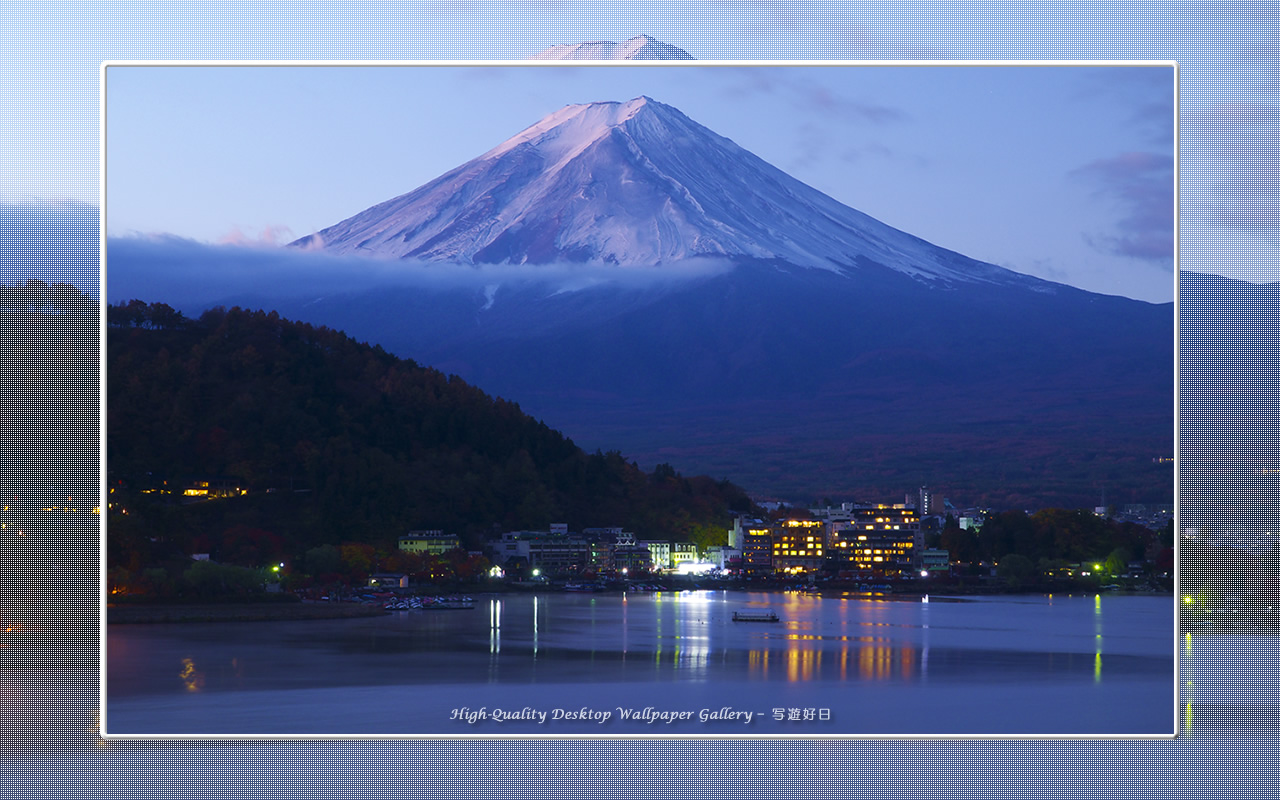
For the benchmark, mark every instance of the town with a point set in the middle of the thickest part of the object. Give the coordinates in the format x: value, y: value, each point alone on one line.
x: 884, y: 542
x: 917, y: 544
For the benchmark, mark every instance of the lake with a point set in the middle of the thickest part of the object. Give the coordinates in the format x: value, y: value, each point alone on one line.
x: 664, y: 663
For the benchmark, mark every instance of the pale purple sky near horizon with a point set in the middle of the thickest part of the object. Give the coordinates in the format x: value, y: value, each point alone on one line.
x: 1063, y: 172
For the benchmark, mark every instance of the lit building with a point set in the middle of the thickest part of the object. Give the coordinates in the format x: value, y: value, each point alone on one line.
x: 757, y: 549
x: 601, y: 543
x: 935, y: 561
x: 928, y: 502
x: 389, y: 580
x: 659, y: 553
x: 632, y: 557
x: 880, y: 538
x: 799, y: 546
x: 726, y: 558
x: 432, y: 543
x: 214, y: 487
x: 617, y: 550
x: 682, y: 552
x: 553, y: 552
x: 840, y: 513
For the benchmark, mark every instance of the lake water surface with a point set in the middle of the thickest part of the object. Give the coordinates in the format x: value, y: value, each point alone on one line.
x: 663, y: 663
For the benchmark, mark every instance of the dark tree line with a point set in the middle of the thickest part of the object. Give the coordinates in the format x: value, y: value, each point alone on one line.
x: 37, y: 297
x: 1053, y: 534
x: 359, y: 445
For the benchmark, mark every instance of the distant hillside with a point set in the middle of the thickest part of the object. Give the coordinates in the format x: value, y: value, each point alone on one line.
x: 358, y: 445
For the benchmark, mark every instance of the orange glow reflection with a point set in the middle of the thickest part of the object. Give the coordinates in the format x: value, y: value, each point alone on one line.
x: 191, y: 677
x: 802, y: 665
x: 758, y: 661
x: 882, y: 662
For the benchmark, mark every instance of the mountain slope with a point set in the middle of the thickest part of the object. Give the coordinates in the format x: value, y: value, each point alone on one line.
x: 822, y: 352
x: 634, y: 184
x: 800, y: 382
x: 637, y: 48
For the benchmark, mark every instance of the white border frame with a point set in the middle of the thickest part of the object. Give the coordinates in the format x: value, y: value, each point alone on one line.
x: 621, y: 64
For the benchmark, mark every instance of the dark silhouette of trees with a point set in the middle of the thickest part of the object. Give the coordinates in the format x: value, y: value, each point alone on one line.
x: 342, y: 442
x: 1057, y: 534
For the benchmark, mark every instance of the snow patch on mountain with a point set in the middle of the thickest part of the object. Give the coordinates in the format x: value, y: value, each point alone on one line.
x: 637, y: 48
x: 634, y: 184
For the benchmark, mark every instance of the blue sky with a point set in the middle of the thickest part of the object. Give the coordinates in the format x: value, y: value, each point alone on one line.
x: 1063, y: 172
x: 1228, y: 54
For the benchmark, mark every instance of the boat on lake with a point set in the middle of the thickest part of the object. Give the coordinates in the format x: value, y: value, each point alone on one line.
x: 755, y: 616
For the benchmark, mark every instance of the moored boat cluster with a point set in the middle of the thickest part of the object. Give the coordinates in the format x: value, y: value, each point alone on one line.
x: 429, y: 602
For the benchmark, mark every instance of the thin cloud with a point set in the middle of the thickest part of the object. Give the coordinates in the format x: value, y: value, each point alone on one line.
x: 186, y: 273
x: 269, y: 236
x: 1141, y: 186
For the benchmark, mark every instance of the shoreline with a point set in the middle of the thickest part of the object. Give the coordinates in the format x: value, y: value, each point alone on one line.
x: 237, y: 612
x: 160, y: 613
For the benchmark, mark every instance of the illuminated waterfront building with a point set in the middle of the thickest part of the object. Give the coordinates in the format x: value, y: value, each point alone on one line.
x: 682, y: 552
x: 799, y: 546
x: 726, y: 558
x: 881, y: 538
x: 757, y: 549
x: 659, y: 553
x: 935, y: 561
x: 554, y: 552
x: 614, y: 549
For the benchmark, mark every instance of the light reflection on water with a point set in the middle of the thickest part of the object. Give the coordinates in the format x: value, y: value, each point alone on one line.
x: 495, y: 626
x: 192, y: 678
x: 847, y: 638
x: 561, y: 647
x: 679, y: 635
x: 1187, y: 682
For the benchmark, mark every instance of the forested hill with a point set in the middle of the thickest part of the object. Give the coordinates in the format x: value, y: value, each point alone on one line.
x: 365, y: 445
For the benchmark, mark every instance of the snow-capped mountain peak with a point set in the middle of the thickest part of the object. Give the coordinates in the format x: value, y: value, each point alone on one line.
x: 563, y: 133
x: 634, y: 184
x: 637, y: 48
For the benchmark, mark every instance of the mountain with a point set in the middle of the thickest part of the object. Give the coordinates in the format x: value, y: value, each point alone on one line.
x: 644, y: 283
x: 638, y: 48
x: 635, y: 184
